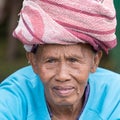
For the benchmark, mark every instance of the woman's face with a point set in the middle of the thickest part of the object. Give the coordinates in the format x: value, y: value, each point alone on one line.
x: 64, y: 71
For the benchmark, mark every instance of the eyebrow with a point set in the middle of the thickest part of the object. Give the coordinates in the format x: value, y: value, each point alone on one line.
x: 49, y: 57
x: 74, y: 56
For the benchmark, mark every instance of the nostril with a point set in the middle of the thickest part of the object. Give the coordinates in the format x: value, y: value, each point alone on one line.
x: 62, y: 80
x: 63, y: 76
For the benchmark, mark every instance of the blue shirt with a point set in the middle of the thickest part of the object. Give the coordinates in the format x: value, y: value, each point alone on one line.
x: 22, y: 97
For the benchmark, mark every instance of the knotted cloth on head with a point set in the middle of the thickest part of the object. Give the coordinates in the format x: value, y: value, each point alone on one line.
x: 67, y: 22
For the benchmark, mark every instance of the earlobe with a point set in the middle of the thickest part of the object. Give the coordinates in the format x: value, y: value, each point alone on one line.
x: 32, y: 60
x: 97, y: 59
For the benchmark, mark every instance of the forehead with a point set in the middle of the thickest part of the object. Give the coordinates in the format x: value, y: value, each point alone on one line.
x: 56, y: 49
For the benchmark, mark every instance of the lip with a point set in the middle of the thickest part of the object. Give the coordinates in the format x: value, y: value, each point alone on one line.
x: 63, y: 91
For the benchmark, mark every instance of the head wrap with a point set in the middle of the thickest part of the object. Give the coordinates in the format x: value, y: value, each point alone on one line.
x: 67, y: 22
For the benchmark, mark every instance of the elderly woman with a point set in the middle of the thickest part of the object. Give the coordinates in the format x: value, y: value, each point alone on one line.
x: 64, y: 40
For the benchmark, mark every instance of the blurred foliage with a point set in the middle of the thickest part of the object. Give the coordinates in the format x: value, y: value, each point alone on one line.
x: 7, y: 66
x: 112, y: 61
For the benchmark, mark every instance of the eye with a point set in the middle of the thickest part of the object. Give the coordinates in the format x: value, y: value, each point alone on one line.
x: 73, y: 60
x: 51, y: 60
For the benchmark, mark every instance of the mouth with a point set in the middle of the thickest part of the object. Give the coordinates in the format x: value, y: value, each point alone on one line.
x: 63, y: 91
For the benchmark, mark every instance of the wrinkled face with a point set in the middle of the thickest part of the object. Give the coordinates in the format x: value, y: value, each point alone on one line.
x: 64, y: 71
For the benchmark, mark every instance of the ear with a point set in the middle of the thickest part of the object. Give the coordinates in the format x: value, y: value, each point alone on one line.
x: 32, y: 60
x: 96, y: 61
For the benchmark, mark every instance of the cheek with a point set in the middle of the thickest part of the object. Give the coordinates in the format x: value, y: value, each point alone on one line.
x: 82, y: 74
x: 82, y: 82
x: 45, y: 74
x: 82, y: 79
x: 81, y: 89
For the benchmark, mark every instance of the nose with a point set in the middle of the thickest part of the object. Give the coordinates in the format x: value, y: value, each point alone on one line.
x: 63, y: 73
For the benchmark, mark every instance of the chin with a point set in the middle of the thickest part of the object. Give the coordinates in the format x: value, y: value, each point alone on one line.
x: 65, y: 102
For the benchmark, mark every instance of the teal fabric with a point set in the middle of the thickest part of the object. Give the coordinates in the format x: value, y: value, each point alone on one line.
x: 22, y: 97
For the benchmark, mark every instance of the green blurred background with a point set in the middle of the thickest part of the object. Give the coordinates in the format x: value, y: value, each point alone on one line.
x: 12, y: 54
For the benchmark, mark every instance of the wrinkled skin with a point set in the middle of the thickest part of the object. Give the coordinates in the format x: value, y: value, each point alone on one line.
x: 64, y: 71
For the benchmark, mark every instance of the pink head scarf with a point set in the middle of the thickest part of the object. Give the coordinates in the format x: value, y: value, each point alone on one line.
x: 67, y: 22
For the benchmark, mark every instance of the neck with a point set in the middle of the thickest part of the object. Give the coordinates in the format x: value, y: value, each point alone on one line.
x: 65, y: 112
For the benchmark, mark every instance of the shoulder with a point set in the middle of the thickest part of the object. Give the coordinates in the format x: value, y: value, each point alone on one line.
x: 25, y: 72
x: 23, y: 75
x: 105, y: 93
x: 105, y: 81
x: 105, y: 76
x: 21, y: 92
x: 22, y: 80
